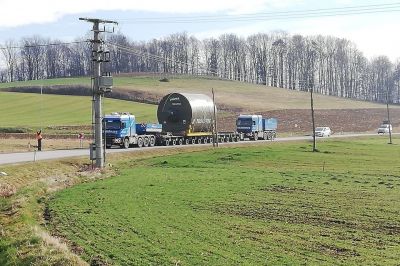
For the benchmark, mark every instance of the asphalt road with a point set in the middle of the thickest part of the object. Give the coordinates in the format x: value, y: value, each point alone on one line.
x: 23, y: 157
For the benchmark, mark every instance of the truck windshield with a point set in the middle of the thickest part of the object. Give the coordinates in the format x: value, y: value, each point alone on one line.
x: 113, y: 124
x: 244, y: 122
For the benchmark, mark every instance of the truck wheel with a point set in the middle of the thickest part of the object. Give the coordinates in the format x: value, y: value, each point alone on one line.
x: 126, y: 143
x: 140, y: 142
x: 152, y: 141
x: 146, y: 142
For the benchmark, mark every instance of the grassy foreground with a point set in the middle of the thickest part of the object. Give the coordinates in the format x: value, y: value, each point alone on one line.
x: 268, y: 204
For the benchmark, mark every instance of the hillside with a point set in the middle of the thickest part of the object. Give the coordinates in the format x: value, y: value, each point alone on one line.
x: 290, y: 107
x: 245, y: 96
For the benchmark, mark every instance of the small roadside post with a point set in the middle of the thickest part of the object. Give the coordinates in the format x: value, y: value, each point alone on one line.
x: 81, y: 137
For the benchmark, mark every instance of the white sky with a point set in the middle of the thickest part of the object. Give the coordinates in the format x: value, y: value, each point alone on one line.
x: 374, y: 34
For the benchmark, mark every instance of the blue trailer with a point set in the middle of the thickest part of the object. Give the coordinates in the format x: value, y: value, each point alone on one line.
x: 121, y: 129
x: 256, y: 127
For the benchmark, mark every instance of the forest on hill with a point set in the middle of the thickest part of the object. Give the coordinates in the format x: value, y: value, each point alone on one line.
x: 328, y: 65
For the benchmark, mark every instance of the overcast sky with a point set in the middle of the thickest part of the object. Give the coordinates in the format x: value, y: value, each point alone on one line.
x: 374, y: 34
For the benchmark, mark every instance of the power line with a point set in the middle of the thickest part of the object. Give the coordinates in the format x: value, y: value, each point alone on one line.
x: 41, y: 45
x: 309, y: 13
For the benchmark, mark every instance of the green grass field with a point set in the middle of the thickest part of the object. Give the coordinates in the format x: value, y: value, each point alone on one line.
x: 267, y: 204
x: 248, y: 96
x: 35, y: 110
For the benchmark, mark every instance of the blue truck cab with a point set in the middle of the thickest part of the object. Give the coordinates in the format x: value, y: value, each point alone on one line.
x: 118, y: 127
x: 255, y: 127
x: 121, y: 129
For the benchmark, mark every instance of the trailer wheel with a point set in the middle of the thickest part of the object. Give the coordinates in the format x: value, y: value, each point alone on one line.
x: 166, y: 142
x: 255, y: 136
x: 126, y: 143
x: 187, y: 141
x: 152, y: 141
x: 146, y: 142
x: 174, y: 142
x: 180, y: 142
x: 199, y: 141
x: 140, y: 142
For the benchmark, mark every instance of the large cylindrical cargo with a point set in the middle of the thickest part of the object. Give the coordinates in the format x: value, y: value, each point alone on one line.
x: 185, y: 113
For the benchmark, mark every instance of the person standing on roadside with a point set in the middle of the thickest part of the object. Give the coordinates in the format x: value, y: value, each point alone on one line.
x: 39, y: 139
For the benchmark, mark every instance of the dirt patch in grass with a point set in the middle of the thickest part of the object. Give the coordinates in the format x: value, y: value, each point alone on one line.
x: 7, y: 190
x: 276, y: 212
x: 336, y: 251
x: 283, y: 189
x: 345, y: 120
x: 82, y: 90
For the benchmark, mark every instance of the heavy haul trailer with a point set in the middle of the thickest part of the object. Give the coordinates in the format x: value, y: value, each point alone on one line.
x: 121, y: 129
x: 169, y: 139
x: 188, y: 119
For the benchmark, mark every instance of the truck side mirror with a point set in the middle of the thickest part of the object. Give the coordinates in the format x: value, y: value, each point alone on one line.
x: 123, y: 125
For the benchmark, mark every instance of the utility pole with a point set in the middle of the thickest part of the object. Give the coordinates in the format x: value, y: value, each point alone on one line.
x: 388, y: 114
x: 215, y: 130
x: 312, y: 118
x: 312, y: 63
x: 101, y: 85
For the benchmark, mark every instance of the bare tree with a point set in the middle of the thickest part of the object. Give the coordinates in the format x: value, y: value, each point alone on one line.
x: 10, y: 55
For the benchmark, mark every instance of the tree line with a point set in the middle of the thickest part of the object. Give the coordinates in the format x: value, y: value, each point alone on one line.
x: 328, y: 65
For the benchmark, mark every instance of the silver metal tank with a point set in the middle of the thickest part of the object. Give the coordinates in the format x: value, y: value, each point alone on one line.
x: 181, y: 113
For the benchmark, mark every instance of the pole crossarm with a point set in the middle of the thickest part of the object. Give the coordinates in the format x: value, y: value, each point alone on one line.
x: 97, y: 20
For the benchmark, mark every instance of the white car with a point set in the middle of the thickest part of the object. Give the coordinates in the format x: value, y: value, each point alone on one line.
x: 384, y: 128
x: 323, y: 132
